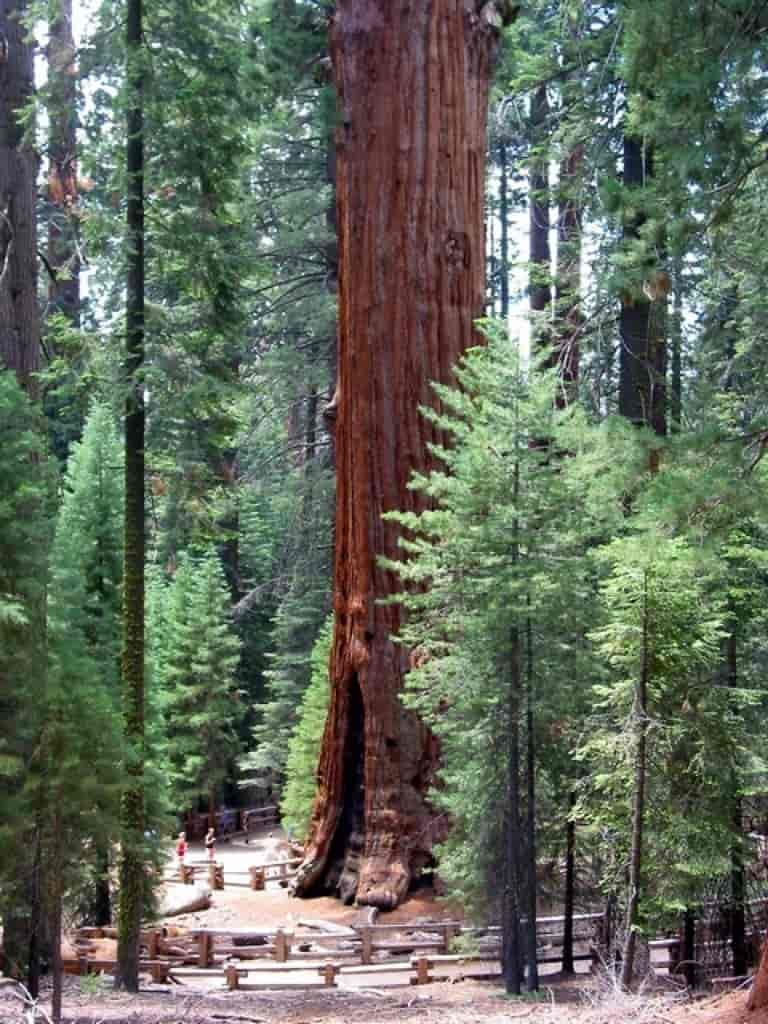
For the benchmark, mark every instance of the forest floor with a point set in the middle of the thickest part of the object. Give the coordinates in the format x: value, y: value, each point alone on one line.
x: 584, y: 1000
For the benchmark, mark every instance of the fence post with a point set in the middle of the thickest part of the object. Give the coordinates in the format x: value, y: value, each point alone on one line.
x: 366, y: 945
x: 330, y: 971
x: 204, y: 949
x: 257, y: 878
x: 448, y: 933
x: 688, y: 948
x: 422, y: 971
x: 232, y: 976
x: 282, y: 946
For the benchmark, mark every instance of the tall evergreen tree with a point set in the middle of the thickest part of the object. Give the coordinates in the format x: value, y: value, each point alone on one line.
x: 199, y: 678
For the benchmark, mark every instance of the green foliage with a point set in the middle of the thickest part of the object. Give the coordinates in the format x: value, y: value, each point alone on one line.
x: 197, y: 671
x: 305, y: 742
x: 490, y: 558
x: 660, y: 620
x: 24, y: 542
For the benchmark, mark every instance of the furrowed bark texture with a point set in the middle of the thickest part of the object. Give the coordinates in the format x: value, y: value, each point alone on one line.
x: 19, y: 322
x: 412, y: 82
x: 64, y: 290
x: 643, y: 358
x: 132, y: 866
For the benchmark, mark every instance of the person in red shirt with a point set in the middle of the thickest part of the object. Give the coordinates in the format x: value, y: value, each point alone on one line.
x: 181, y: 850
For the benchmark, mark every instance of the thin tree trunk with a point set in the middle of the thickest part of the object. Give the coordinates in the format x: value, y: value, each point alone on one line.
x: 570, y: 887
x: 688, y: 947
x: 412, y: 83
x: 56, y: 908
x: 211, y: 807
x: 640, y: 725
x: 676, y: 344
x: 132, y: 867
x: 504, y: 261
x: 511, y: 949
x: 538, y: 206
x: 738, y: 881
x: 642, y: 361
x: 532, y: 977
x: 568, y: 290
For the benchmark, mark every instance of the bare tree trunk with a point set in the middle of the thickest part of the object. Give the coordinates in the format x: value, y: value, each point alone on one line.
x: 56, y: 907
x: 643, y: 358
x: 676, y: 344
x: 412, y: 83
x: 758, y: 994
x: 738, y: 880
x: 504, y: 261
x: 132, y: 866
x: 640, y: 727
x: 569, y: 316
x: 19, y: 319
x: 532, y: 977
x: 63, y: 259
x: 570, y: 886
x: 538, y: 211
x: 511, y: 916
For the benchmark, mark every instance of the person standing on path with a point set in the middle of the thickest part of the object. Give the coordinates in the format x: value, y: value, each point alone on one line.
x: 210, y: 844
x: 181, y: 851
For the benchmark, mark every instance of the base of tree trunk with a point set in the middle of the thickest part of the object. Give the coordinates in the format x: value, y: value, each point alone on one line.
x: 373, y: 830
x: 758, y: 994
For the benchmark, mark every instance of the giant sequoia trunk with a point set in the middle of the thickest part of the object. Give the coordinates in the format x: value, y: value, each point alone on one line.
x: 19, y: 321
x: 412, y: 81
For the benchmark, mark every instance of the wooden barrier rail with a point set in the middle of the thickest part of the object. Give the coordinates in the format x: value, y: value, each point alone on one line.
x: 209, y: 953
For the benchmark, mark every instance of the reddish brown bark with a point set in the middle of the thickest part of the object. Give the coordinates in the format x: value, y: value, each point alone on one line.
x: 758, y: 994
x: 643, y: 357
x: 64, y: 286
x: 412, y: 81
x: 19, y: 322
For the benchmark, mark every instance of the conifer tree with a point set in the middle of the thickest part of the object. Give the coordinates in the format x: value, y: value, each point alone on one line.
x: 305, y: 741
x: 89, y: 544
x: 482, y: 571
x: 24, y: 541
x: 199, y: 678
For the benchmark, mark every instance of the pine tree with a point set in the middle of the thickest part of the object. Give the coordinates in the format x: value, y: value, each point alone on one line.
x: 24, y: 542
x: 485, y: 572
x: 199, y: 678
x: 306, y: 739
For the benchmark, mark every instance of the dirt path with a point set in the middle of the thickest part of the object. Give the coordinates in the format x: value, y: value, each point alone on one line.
x: 92, y: 1001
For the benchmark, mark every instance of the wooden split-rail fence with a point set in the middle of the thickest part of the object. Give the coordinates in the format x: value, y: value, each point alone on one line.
x: 252, y: 958
x: 254, y: 877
